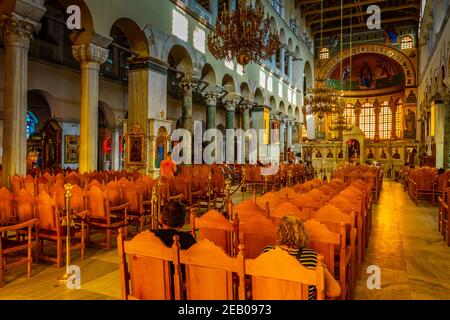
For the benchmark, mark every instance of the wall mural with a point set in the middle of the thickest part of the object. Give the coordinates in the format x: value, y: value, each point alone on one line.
x: 367, y: 71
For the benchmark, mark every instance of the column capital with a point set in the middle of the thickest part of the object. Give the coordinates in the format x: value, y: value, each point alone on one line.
x: 18, y: 30
x: 247, y: 105
x: 211, y: 98
x: 87, y: 53
x: 230, y: 105
x: 188, y: 83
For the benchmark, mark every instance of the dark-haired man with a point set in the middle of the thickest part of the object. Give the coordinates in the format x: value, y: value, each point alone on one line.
x: 172, y: 220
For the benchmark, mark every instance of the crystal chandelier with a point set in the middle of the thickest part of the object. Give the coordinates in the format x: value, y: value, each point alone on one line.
x: 339, y: 122
x: 243, y: 34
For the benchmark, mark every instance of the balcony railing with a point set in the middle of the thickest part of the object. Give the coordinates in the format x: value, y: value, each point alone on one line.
x: 199, y: 10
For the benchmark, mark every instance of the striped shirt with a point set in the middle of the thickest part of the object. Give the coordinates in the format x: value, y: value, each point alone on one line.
x: 308, y: 258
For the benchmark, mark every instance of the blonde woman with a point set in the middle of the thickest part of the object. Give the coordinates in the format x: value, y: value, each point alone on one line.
x: 292, y: 237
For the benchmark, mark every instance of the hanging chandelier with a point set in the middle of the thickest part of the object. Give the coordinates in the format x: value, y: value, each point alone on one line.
x: 322, y: 99
x: 243, y: 34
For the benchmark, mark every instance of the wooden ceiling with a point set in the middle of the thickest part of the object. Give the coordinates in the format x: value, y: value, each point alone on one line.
x: 393, y: 13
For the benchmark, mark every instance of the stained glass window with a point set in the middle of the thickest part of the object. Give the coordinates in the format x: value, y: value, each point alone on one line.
x: 367, y: 120
x: 385, y: 126
x: 31, y: 124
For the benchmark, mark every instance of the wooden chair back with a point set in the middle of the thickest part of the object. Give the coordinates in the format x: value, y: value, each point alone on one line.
x: 131, y: 194
x: 29, y: 185
x: 96, y: 203
x: 16, y: 183
x: 145, y: 268
x: 7, y: 215
x: 78, y: 200
x: 276, y: 275
x: 323, y: 241
x: 24, y: 205
x: 216, y: 228
x: 256, y: 233
x: 113, y: 194
x: 209, y: 272
x: 49, y: 218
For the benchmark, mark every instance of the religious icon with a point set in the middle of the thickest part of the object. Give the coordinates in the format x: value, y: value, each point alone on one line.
x: 330, y: 154
x: 370, y: 155
x: 391, y: 36
x: 346, y: 73
x: 365, y: 75
x: 318, y: 154
x: 410, y: 125
x: 386, y: 69
x: 341, y: 154
x: 396, y: 154
x: 383, y: 154
x: 136, y: 149
x: 71, y: 149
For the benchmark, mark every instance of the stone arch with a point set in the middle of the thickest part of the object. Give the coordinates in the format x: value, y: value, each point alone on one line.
x: 136, y: 37
x: 297, y: 52
x: 228, y: 83
x: 282, y: 36
x: 290, y: 45
x: 273, y: 24
x: 272, y: 103
x: 282, y: 108
x: 39, y: 104
x: 110, y: 118
x: 209, y: 76
x: 259, y: 96
x: 87, y: 22
x: 390, y: 52
x: 297, y: 114
x: 172, y: 46
x: 245, y: 91
x: 290, y: 111
x: 180, y: 58
x: 308, y: 77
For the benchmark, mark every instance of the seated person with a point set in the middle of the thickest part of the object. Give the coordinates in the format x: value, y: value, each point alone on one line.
x: 172, y: 220
x: 292, y: 237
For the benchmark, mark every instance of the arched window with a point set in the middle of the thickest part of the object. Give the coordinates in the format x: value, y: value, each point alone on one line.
x: 349, y: 114
x: 367, y: 120
x: 406, y: 43
x: 324, y: 53
x: 277, y: 6
x: 385, y: 126
x: 31, y: 123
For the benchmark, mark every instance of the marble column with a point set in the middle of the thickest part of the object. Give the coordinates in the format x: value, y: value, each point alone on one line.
x: 376, y: 109
x: 393, y: 108
x: 290, y: 61
x: 245, y: 107
x: 211, y: 105
x: 90, y: 56
x: 289, y: 133
x: 446, y: 99
x: 282, y: 135
x: 357, y: 110
x: 274, y: 62
x: 17, y: 33
x: 282, y: 59
x: 187, y: 84
x: 115, y: 149
x: 230, y: 106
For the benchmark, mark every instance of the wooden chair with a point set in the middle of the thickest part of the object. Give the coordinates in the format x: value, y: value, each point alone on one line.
x: 16, y: 183
x: 10, y: 246
x: 287, y: 208
x: 276, y: 275
x: 42, y: 184
x: 214, y: 227
x: 343, y: 224
x: 7, y: 214
x: 256, y: 233
x: 100, y: 216
x: 135, y: 211
x: 51, y: 229
x: 209, y: 272
x: 145, y: 268
x: 24, y: 206
x: 444, y: 221
x: 29, y: 184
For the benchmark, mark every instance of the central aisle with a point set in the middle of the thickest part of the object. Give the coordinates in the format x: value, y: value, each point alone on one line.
x: 406, y: 245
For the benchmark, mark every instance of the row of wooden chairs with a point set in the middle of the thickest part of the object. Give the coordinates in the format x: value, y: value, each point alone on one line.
x: 424, y: 183
x: 257, y: 220
x: 443, y: 218
x: 151, y: 271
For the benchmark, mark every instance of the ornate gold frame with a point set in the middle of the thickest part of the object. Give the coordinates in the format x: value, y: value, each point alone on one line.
x: 135, y: 137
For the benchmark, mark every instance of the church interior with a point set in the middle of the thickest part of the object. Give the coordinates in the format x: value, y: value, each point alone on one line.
x: 225, y: 150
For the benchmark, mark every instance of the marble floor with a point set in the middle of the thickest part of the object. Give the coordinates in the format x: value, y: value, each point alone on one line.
x: 405, y: 244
